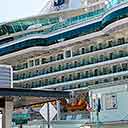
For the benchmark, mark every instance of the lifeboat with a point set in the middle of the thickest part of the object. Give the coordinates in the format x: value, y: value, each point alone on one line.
x: 80, y: 105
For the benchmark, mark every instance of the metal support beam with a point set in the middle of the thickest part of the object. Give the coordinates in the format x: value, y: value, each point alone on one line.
x: 36, y: 93
x: 48, y: 115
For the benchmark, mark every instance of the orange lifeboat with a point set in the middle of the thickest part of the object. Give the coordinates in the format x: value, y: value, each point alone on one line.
x: 80, y: 105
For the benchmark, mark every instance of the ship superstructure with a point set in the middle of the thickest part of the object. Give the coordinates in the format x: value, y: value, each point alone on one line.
x: 61, y: 5
x: 92, y: 5
x: 79, y: 52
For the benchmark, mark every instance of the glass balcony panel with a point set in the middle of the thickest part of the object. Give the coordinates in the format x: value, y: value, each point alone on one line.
x: 92, y: 48
x: 111, y: 55
x: 60, y: 56
x: 121, y: 53
x: 68, y: 53
x: 121, y: 40
x: 31, y: 63
x: 78, y: 75
x: 25, y: 65
x: 125, y: 66
x: 115, y: 68
x: 51, y: 59
x: 119, y: 68
x: 110, y: 43
x: 37, y: 62
x: 43, y: 60
x: 100, y: 71
x: 83, y: 50
x: 105, y: 70
x: 67, y: 66
x: 96, y: 72
x: 100, y: 46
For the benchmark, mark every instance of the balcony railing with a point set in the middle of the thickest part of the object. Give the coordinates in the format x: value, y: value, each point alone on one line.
x: 81, y: 63
x: 93, y: 49
x: 35, y: 83
x: 83, y: 18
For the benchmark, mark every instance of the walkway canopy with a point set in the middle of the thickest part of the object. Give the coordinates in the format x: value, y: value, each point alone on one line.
x: 36, y: 93
x: 26, y: 97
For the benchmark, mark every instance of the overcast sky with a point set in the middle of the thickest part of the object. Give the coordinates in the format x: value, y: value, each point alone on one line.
x: 13, y: 9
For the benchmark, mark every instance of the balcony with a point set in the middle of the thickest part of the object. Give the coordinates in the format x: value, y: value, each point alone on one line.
x: 23, y: 25
x: 66, y: 67
x: 90, y: 49
x: 78, y: 79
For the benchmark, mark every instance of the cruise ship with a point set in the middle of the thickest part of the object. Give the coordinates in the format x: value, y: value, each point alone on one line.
x: 84, y: 51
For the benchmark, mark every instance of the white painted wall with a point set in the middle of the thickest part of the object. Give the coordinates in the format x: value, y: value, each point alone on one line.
x: 121, y: 113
